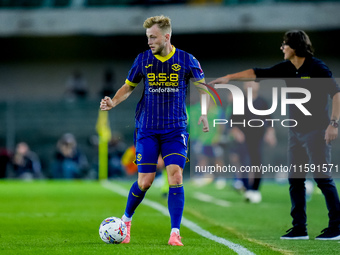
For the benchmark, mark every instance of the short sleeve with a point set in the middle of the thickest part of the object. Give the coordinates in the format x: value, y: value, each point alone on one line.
x: 196, y: 71
x: 135, y: 74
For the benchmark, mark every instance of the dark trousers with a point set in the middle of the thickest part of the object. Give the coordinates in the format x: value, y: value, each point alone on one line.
x: 311, y: 149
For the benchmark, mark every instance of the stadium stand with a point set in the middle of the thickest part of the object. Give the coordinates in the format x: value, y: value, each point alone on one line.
x: 40, y: 46
x: 29, y: 4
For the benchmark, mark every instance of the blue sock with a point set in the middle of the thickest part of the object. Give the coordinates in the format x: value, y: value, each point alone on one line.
x: 176, y: 204
x: 136, y: 196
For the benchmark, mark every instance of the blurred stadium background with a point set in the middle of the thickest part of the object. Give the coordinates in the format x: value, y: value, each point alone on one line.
x: 44, y: 41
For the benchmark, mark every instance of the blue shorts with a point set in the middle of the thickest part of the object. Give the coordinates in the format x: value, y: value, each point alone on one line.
x: 172, y: 145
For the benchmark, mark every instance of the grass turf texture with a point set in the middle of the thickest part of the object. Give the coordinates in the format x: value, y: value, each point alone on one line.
x: 51, y: 217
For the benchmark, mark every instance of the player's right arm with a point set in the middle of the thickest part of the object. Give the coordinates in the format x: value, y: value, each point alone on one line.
x: 246, y: 75
x: 123, y: 93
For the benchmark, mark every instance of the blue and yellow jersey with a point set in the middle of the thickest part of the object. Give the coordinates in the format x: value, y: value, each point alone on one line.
x: 166, y: 81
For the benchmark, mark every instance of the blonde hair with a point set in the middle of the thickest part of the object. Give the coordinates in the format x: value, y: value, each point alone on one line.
x: 164, y: 23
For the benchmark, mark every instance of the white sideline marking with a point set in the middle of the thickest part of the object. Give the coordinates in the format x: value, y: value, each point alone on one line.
x: 185, y: 222
x: 210, y: 199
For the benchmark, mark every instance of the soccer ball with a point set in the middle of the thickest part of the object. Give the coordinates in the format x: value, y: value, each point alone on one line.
x: 112, y: 230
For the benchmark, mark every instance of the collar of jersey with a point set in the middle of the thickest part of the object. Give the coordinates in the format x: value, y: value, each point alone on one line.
x: 167, y: 57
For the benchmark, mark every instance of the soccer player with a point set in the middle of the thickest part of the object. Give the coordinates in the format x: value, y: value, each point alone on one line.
x: 161, y: 118
x: 310, y: 140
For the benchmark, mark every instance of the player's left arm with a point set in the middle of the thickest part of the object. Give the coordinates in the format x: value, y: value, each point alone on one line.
x: 198, y: 78
x: 205, y: 100
x: 331, y: 131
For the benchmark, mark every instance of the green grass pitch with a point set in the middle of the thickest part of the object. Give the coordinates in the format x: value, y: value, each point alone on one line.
x: 63, y: 217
